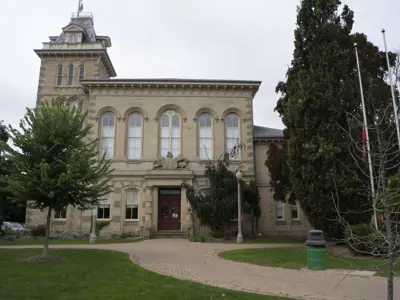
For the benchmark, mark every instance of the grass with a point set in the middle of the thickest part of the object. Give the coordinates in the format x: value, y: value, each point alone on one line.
x: 296, y: 258
x: 96, y: 275
x: 275, y: 240
x: 20, y: 242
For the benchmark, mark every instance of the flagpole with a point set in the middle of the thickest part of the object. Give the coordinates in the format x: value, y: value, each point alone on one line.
x: 396, y: 118
x: 79, y: 7
x: 371, y: 173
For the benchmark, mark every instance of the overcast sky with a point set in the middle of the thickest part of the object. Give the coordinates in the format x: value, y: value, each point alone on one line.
x: 202, y: 39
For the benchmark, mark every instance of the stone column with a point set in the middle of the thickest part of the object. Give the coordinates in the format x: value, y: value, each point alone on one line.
x: 148, y: 212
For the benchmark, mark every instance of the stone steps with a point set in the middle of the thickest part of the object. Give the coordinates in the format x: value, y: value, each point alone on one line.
x: 168, y: 234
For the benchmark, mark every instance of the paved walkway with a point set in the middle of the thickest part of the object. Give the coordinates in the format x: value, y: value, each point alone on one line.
x: 199, y: 262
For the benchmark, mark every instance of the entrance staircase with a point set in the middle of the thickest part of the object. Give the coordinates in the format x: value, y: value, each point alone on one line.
x: 162, y: 234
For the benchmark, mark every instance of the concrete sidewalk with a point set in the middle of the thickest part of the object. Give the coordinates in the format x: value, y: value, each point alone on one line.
x: 199, y: 262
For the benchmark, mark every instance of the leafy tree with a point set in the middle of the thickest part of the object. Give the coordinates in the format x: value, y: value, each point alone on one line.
x: 4, y: 168
x: 320, y: 91
x: 251, y: 203
x: 58, y: 164
x: 215, y: 206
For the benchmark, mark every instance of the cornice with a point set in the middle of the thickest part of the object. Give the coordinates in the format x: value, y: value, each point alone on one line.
x: 195, y: 87
x: 79, y: 53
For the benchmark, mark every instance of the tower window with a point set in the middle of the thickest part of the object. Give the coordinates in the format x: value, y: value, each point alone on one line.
x: 59, y: 75
x: 70, y: 75
x: 81, y: 72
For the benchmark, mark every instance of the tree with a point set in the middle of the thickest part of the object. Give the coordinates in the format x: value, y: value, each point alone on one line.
x: 4, y: 168
x: 251, y: 203
x: 215, y: 206
x: 320, y: 90
x: 58, y: 164
x: 385, y: 154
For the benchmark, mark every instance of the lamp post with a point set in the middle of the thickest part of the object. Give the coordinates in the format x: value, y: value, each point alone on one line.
x: 239, y: 238
x: 92, y: 239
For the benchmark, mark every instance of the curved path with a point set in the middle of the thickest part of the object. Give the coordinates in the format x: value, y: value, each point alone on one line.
x: 198, y: 262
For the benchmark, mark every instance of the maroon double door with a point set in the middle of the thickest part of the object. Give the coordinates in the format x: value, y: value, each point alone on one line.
x: 169, y: 209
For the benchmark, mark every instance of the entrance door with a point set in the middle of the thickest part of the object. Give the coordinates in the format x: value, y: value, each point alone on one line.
x: 169, y: 209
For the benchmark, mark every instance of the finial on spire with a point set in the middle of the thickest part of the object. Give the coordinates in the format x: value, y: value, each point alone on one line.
x: 80, y: 7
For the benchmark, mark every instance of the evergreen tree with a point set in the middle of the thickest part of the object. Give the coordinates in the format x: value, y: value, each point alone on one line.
x: 320, y: 91
x: 4, y: 169
x: 58, y: 164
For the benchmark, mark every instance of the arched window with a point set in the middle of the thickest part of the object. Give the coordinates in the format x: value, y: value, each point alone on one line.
x: 135, y: 136
x: 132, y: 205
x: 81, y: 72
x: 170, y: 133
x: 70, y: 75
x: 232, y: 132
x: 59, y: 75
x: 205, y: 136
x: 108, y: 134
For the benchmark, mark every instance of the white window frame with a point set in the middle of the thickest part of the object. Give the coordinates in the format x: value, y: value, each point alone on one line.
x: 103, y: 137
x: 170, y: 114
x: 209, y: 152
x: 104, y: 203
x: 132, y: 205
x: 59, y: 75
x: 70, y: 75
x: 58, y: 215
x: 136, y: 141
x: 227, y: 138
x: 280, y: 205
x: 81, y: 75
x: 297, y: 209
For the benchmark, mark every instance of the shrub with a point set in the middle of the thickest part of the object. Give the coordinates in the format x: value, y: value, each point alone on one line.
x: 38, y: 230
x: 199, y: 238
x: 67, y: 235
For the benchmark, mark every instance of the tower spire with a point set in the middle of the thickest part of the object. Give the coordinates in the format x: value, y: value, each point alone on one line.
x: 80, y: 7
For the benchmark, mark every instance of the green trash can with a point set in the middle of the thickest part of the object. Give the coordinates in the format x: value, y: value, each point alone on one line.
x: 316, y: 250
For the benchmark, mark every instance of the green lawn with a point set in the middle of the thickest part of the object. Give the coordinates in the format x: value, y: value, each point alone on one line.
x: 66, y: 241
x: 295, y: 258
x: 96, y: 275
x: 275, y: 240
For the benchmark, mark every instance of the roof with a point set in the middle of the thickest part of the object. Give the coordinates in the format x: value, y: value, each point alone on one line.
x: 172, y: 80
x: 267, y: 133
x: 87, y: 24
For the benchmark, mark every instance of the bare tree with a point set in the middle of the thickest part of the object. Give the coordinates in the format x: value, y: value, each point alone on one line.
x: 383, y: 242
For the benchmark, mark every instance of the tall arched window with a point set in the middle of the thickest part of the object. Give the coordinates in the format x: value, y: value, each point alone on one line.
x: 232, y: 133
x: 132, y: 205
x: 205, y: 136
x: 81, y: 72
x: 170, y: 133
x: 108, y: 134
x: 70, y: 75
x: 59, y: 75
x: 135, y: 136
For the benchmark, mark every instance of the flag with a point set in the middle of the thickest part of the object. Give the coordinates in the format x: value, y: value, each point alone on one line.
x: 80, y: 5
x: 364, y: 141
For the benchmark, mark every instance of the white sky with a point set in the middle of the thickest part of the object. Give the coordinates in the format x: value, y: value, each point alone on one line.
x: 200, y: 39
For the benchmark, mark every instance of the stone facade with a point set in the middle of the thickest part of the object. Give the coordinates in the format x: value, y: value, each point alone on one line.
x: 138, y: 153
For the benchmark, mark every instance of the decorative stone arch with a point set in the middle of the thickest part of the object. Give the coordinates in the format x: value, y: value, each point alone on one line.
x: 205, y: 110
x: 178, y: 109
x: 108, y: 109
x: 231, y: 110
x: 139, y: 110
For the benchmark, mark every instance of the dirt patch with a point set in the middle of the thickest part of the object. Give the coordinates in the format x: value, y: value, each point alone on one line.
x: 43, y: 258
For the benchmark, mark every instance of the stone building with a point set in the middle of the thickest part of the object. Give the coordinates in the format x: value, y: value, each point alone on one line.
x: 157, y: 132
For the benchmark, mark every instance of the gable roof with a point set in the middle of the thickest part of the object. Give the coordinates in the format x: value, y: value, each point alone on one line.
x: 86, y: 24
x: 267, y: 133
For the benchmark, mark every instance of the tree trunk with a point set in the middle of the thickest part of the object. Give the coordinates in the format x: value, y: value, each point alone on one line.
x: 252, y: 224
x: 46, y: 237
x: 390, y: 260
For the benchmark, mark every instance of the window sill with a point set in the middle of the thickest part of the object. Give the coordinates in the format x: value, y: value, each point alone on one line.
x: 281, y: 222
x: 133, y: 161
x: 131, y: 220
x: 59, y: 220
x: 102, y: 220
x: 296, y: 222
